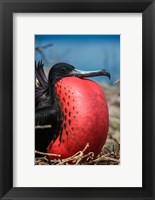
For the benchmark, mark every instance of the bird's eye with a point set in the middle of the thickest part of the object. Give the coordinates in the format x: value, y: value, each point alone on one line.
x: 62, y: 69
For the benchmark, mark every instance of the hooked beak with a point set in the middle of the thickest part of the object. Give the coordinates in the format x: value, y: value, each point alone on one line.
x: 82, y: 74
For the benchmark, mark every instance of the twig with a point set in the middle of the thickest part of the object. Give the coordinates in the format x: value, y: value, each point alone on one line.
x: 76, y: 158
x: 47, y: 154
x: 43, y: 126
x: 103, y: 158
x: 80, y: 158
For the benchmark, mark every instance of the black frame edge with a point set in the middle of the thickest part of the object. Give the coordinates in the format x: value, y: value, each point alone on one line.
x: 148, y: 96
x: 7, y: 101
x: 1, y: 182
x: 38, y: 6
x: 153, y: 100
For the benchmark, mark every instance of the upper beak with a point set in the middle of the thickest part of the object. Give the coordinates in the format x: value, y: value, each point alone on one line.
x: 82, y: 74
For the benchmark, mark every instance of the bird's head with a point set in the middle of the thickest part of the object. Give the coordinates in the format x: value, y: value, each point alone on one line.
x: 61, y: 70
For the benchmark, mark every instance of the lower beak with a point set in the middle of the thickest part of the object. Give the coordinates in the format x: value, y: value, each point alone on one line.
x: 82, y: 74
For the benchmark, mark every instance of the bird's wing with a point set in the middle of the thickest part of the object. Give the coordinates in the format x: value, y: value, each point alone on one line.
x: 45, y: 114
x: 41, y: 86
x: 44, y: 134
x: 40, y: 74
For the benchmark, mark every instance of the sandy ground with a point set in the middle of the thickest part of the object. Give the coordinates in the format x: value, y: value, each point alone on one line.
x: 113, y: 98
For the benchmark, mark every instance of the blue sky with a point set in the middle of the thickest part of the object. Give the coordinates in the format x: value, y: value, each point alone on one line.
x: 86, y: 52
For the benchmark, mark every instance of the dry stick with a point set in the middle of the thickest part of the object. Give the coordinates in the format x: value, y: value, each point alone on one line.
x: 79, y: 158
x: 75, y: 157
x: 106, y: 155
x: 104, y: 158
x: 72, y: 158
x: 89, y: 155
x: 47, y: 154
x: 42, y: 159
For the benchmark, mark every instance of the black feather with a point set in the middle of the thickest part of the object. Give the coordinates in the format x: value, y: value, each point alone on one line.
x: 40, y: 74
x: 47, y: 110
x: 42, y: 96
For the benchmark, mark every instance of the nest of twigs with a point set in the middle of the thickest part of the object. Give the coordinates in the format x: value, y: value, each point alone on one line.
x: 106, y: 157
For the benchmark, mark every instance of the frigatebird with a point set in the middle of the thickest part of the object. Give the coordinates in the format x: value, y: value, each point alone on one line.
x: 74, y: 106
